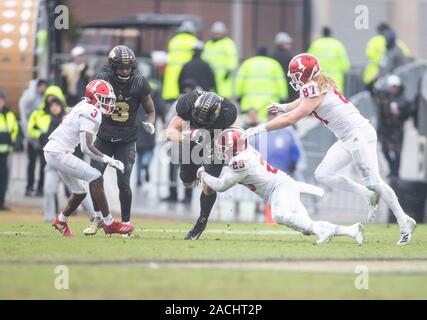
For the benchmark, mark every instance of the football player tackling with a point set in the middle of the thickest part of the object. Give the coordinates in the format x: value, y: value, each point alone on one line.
x: 357, y: 139
x: 80, y: 126
x: 246, y: 166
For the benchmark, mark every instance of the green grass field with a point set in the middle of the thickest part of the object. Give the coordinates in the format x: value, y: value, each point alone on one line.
x: 230, y: 261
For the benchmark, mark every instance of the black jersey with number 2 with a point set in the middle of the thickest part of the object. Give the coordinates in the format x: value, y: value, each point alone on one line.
x: 185, y: 105
x: 121, y: 127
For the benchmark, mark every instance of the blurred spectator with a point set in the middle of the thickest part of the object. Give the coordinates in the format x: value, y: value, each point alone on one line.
x: 75, y: 76
x: 279, y: 148
x: 56, y: 111
x: 393, y: 110
x: 221, y: 54
x: 38, y: 124
x: 260, y: 79
x: 375, y: 49
x: 8, y: 133
x: 146, y: 142
x: 393, y: 57
x: 332, y: 56
x: 29, y: 102
x: 187, y: 86
x: 180, y: 51
x: 198, y: 70
x: 283, y: 54
x: 252, y: 119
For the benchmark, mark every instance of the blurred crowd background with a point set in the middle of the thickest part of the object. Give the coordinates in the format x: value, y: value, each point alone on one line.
x: 377, y: 53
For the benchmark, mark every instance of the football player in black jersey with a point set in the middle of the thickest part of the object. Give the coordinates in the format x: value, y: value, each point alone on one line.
x: 201, y: 110
x: 117, y: 133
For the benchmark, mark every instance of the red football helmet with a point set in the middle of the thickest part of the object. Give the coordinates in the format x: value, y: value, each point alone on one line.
x: 100, y: 93
x: 302, y: 69
x: 230, y: 143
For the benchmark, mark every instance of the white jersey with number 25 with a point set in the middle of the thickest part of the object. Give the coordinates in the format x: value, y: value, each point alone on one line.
x: 66, y: 137
x: 335, y: 112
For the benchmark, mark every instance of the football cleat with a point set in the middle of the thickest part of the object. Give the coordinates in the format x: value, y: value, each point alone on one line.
x: 62, y: 227
x: 406, y: 231
x: 118, y: 227
x: 373, y: 206
x: 94, y: 226
x: 359, y: 234
x: 198, y: 229
x: 325, y: 236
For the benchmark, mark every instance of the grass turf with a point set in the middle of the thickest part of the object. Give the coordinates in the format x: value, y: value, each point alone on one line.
x: 103, y: 267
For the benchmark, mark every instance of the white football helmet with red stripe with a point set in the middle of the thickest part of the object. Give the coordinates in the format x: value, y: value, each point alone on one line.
x: 230, y: 142
x: 100, y: 93
x: 302, y: 69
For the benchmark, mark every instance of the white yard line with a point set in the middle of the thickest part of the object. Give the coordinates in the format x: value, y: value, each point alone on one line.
x: 223, y: 231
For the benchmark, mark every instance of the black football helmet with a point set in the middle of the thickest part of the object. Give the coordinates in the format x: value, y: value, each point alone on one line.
x: 207, y: 108
x: 121, y: 57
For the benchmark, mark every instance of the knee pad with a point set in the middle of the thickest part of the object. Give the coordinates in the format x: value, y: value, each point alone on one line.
x: 124, y: 184
x: 369, y: 177
x: 319, y: 174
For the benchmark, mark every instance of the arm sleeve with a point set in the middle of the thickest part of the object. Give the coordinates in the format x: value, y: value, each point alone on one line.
x: 87, y: 125
x: 225, y: 181
x: 85, y: 149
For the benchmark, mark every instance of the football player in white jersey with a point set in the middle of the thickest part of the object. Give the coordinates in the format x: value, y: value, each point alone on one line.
x: 80, y: 126
x: 246, y: 166
x: 357, y: 139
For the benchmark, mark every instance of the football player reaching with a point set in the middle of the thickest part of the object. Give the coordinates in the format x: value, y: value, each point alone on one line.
x: 246, y: 166
x: 203, y: 112
x: 357, y: 139
x: 80, y: 126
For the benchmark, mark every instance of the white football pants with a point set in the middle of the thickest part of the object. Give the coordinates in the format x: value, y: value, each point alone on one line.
x: 361, y: 150
x: 287, y: 209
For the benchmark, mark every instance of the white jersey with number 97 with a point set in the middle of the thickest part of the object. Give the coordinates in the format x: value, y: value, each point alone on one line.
x: 335, y: 112
x: 66, y: 137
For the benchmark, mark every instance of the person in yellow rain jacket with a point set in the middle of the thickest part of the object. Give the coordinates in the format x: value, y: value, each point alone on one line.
x: 180, y: 51
x: 38, y: 124
x: 8, y: 133
x: 375, y: 49
x: 332, y: 56
x: 221, y: 54
x: 259, y: 80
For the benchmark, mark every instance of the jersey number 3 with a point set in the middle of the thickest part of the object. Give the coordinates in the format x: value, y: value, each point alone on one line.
x: 121, y: 112
x: 94, y: 113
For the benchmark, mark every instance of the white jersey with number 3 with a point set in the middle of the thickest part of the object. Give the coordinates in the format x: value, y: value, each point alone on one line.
x: 66, y: 137
x: 335, y: 112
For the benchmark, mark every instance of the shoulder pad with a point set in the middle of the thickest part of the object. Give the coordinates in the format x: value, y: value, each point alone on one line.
x: 309, y: 90
x: 90, y: 112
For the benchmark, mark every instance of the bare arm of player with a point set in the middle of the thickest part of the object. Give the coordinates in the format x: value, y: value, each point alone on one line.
x: 174, y: 130
x: 150, y: 113
x: 228, y: 179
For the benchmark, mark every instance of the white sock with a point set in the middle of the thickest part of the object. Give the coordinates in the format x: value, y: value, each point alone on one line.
x: 62, y: 218
x: 390, y: 198
x: 345, y: 231
x: 108, y: 220
x: 98, y: 214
